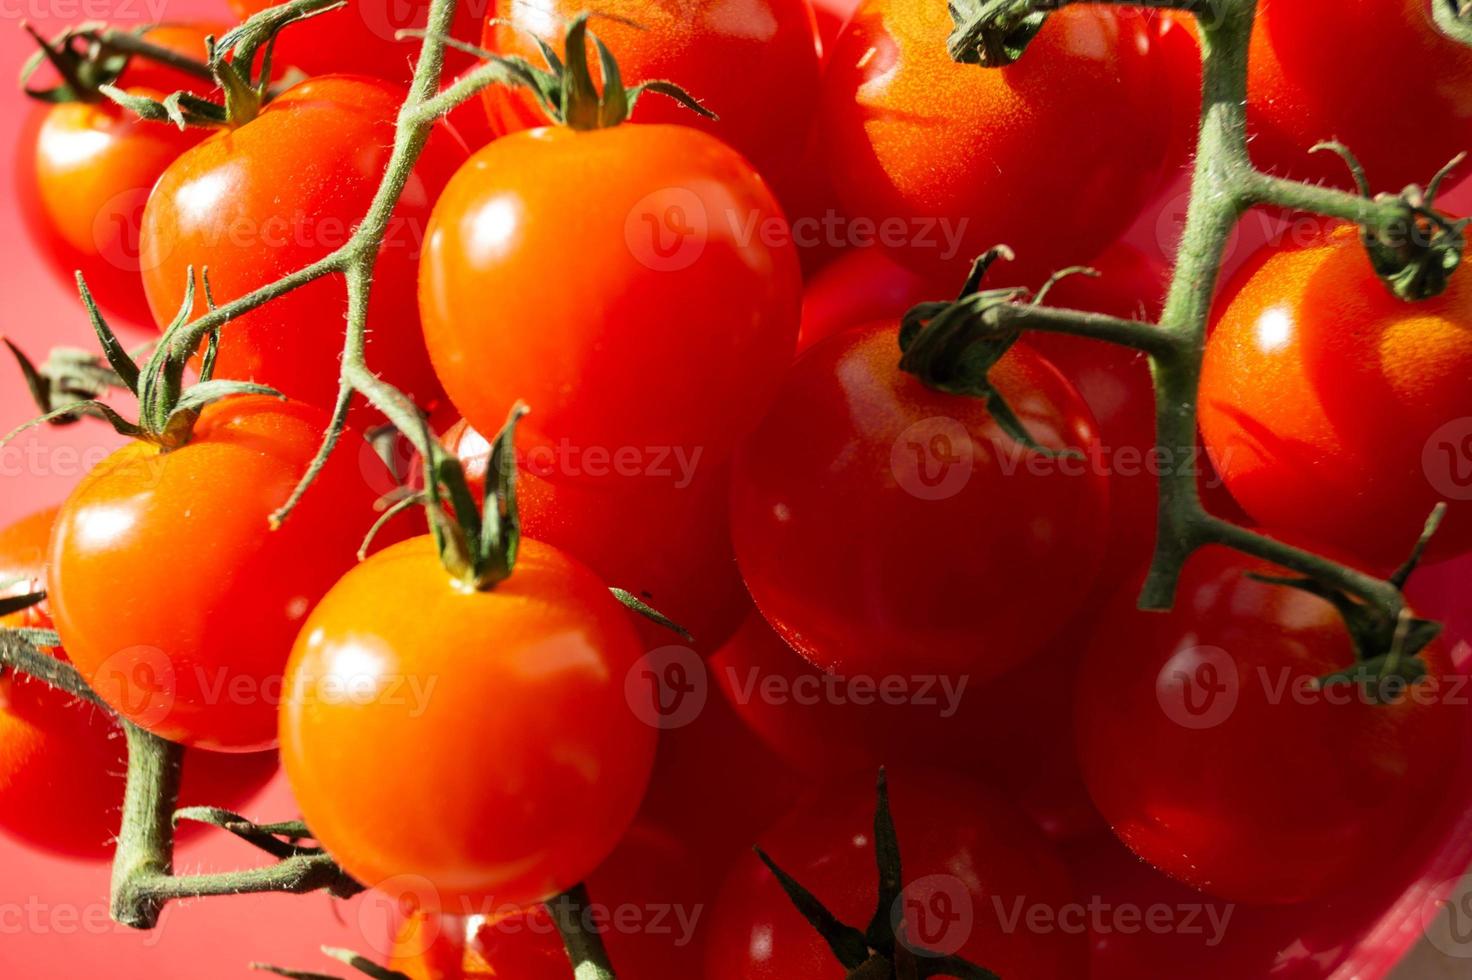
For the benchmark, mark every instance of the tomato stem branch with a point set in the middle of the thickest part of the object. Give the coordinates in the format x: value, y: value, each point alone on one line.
x: 584, y: 944
x: 19, y: 654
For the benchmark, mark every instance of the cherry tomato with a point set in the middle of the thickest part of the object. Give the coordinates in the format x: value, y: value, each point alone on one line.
x: 708, y: 47
x: 85, y: 170
x: 676, y: 345
x: 669, y: 543
x: 884, y: 527
x: 860, y: 287
x: 1337, y: 411
x: 1185, y: 721
x: 822, y: 723
x: 969, y: 862
x: 361, y: 39
x: 1299, y: 93
x: 531, y: 674
x: 258, y: 202
x: 908, y: 131
x: 62, y: 760
x: 214, y: 597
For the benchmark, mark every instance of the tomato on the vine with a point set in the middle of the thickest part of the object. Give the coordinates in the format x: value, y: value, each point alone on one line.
x: 361, y: 38
x: 755, y: 65
x: 1300, y: 94
x: 529, y: 675
x: 85, y: 169
x: 1209, y: 750
x: 676, y: 342
x: 195, y: 651
x: 667, y: 542
x: 252, y: 204
x: 955, y: 158
x: 882, y: 526
x: 970, y: 862
x: 62, y: 760
x: 1335, y: 410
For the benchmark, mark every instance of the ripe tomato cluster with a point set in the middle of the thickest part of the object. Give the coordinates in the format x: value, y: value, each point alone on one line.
x: 703, y: 301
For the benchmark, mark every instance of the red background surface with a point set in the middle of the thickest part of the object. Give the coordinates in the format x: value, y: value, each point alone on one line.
x: 53, y: 912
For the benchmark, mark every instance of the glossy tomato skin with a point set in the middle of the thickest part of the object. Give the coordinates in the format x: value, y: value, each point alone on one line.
x: 62, y: 760
x: 677, y: 342
x: 1336, y: 411
x: 85, y: 169
x: 360, y: 39
x: 258, y: 202
x: 668, y: 543
x: 908, y: 131
x: 1299, y: 93
x: 820, y: 724
x: 215, y: 597
x: 1183, y: 717
x: 709, y: 48
x: 971, y: 846
x: 882, y: 526
x: 531, y: 674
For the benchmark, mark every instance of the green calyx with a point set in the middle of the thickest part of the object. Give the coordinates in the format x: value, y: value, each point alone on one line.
x: 565, y: 88
x: 993, y: 33
x: 1454, y: 19
x: 1416, y: 254
x: 239, y: 64
x: 167, y: 407
x: 952, y: 347
x: 878, y: 952
x: 1387, y: 649
x: 91, y: 57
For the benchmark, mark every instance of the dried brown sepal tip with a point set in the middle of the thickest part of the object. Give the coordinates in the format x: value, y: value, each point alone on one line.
x: 360, y: 963
x: 877, y: 952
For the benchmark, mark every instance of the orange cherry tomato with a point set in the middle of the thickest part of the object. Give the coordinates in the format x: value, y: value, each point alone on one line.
x: 527, y: 677
x: 171, y: 593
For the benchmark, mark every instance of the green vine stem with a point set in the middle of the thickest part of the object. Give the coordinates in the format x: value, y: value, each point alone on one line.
x: 1224, y: 186
x: 584, y: 945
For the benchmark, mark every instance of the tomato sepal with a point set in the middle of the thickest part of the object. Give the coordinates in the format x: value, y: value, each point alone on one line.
x: 993, y: 33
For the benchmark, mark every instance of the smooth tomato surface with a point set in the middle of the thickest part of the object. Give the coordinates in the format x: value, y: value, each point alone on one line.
x: 882, y: 526
x: 675, y: 323
x: 85, y: 170
x: 754, y: 64
x: 960, y: 158
x: 666, y: 541
x: 62, y: 760
x: 213, y: 598
x: 258, y: 202
x: 1333, y: 409
x: 1206, y: 750
x: 528, y: 677
x: 1299, y: 93
x: 969, y: 859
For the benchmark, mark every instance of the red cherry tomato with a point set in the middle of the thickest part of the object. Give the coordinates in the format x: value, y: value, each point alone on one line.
x: 1213, y: 759
x: 676, y: 343
x: 710, y: 48
x: 85, y: 170
x: 214, y: 597
x: 669, y: 543
x: 860, y: 287
x: 361, y: 38
x: 62, y: 761
x: 821, y: 723
x: 908, y: 131
x: 1299, y: 93
x: 883, y: 527
x: 531, y: 674
x: 1335, y: 410
x: 255, y: 203
x: 969, y: 861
